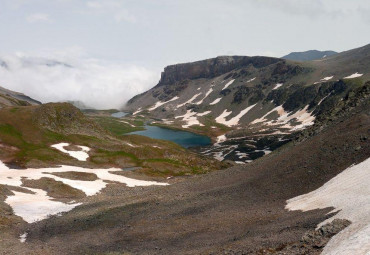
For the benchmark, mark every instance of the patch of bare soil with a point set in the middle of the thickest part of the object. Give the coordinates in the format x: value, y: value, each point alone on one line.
x: 55, y: 189
x: 77, y: 176
x: 72, y: 147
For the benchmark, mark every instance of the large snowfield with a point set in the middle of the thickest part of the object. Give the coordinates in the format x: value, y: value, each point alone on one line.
x: 349, y: 194
x: 36, y: 205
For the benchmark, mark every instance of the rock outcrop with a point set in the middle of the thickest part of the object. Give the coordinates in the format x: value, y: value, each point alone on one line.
x: 211, y: 68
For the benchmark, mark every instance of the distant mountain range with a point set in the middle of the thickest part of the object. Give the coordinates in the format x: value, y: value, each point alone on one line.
x: 309, y: 55
x: 32, y: 61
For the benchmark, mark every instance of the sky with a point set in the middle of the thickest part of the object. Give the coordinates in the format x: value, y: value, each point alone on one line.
x: 114, y: 49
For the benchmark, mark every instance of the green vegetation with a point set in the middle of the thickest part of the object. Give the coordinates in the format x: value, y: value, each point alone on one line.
x: 116, y: 127
x: 28, y: 133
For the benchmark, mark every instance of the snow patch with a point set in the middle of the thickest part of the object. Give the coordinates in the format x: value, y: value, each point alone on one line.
x: 216, y: 101
x: 228, y: 84
x: 79, y: 155
x: 240, y: 162
x: 38, y: 205
x: 23, y: 237
x: 278, y: 85
x: 158, y: 104
x: 235, y: 120
x: 349, y: 194
x: 279, y: 109
x: 136, y: 112
x: 203, y: 113
x: 327, y: 78
x: 251, y: 80
x: 324, y: 98
x: 168, y: 122
x: 221, y: 138
x: 190, y: 118
x: 222, y: 118
x: 128, y: 123
x: 355, y: 75
x: 189, y: 101
x: 303, y: 116
x: 206, y: 95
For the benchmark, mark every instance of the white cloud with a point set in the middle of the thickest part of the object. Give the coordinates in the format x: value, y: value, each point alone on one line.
x: 124, y: 15
x: 114, y: 8
x: 96, y: 83
x: 38, y: 17
x: 313, y: 9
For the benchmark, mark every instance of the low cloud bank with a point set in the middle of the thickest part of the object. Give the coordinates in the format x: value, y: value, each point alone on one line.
x: 99, y: 84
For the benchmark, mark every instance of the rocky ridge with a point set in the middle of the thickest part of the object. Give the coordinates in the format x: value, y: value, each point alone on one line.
x: 251, y: 105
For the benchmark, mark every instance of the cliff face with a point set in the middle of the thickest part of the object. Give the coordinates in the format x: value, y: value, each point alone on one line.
x: 211, y: 68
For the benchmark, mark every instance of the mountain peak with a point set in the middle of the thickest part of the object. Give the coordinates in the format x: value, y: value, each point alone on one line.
x: 309, y: 55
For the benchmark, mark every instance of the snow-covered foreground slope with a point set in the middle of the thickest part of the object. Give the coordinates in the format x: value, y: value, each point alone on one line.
x: 349, y: 194
x: 37, y: 205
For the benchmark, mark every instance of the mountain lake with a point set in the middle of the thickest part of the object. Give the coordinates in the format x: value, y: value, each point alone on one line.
x: 182, y: 138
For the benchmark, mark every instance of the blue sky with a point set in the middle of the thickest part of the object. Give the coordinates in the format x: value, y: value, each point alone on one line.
x: 150, y: 34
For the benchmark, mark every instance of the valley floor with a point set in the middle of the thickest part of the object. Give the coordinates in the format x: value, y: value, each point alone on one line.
x: 240, y: 210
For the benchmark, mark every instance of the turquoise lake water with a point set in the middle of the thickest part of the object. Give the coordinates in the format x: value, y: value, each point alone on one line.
x: 119, y: 114
x: 183, y: 138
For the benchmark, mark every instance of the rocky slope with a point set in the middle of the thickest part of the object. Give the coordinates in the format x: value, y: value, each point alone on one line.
x: 251, y: 105
x: 241, y: 210
x: 309, y: 55
x: 11, y: 98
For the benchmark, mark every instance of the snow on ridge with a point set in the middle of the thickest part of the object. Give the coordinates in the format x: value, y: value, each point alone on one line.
x: 205, y: 96
x: 79, y: 155
x: 355, y: 75
x: 216, y: 101
x: 222, y: 118
x: 306, y: 118
x: 349, y: 194
x: 189, y: 101
x: 136, y: 112
x: 203, y: 113
x: 228, y: 84
x: 279, y: 109
x: 324, y: 98
x: 190, y: 118
x: 327, y: 78
x: 278, y: 85
x: 235, y: 120
x: 38, y: 205
x: 159, y: 103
